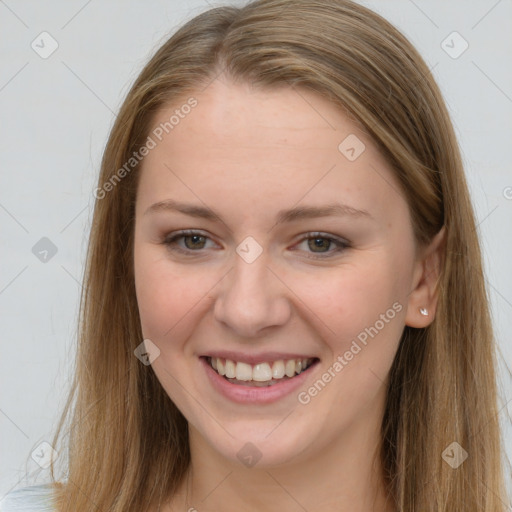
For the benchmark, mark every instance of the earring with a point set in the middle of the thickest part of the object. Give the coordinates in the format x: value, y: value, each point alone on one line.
x: 424, y: 311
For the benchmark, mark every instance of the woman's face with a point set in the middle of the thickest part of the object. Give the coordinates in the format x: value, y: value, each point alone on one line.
x: 268, y: 276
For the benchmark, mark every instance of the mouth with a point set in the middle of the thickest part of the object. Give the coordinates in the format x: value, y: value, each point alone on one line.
x: 263, y: 374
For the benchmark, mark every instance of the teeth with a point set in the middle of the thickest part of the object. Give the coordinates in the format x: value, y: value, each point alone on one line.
x: 289, y: 368
x: 230, y: 369
x: 261, y: 372
x: 243, y: 371
x: 278, y: 369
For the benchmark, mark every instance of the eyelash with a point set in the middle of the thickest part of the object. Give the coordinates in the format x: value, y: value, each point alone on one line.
x: 170, y: 242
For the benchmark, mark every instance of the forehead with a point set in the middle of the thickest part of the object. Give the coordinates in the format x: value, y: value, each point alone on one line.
x: 232, y: 112
x: 251, y: 146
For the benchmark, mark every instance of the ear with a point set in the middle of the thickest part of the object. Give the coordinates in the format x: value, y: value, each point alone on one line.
x: 424, y: 284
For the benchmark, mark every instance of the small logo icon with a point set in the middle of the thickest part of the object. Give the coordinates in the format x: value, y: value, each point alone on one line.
x: 352, y: 147
x: 44, y: 45
x: 454, y: 455
x: 249, y: 455
x: 146, y: 352
x: 454, y: 45
x: 249, y: 250
x: 44, y: 250
x: 44, y: 454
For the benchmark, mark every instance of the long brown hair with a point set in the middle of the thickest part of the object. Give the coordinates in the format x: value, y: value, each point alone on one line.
x: 128, y: 443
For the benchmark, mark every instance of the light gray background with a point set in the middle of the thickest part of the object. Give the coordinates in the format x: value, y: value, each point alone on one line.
x: 56, y: 115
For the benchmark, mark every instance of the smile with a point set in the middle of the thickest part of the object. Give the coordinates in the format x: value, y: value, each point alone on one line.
x: 257, y: 379
x: 261, y: 374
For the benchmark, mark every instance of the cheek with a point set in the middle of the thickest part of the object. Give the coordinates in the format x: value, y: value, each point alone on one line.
x: 359, y: 311
x: 169, y: 298
x: 352, y: 298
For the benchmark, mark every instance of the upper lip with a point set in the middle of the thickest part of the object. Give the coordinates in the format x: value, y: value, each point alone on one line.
x: 252, y: 359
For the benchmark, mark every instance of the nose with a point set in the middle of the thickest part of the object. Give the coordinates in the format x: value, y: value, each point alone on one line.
x: 252, y: 298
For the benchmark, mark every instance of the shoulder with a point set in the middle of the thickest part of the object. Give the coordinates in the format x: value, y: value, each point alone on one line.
x: 36, y: 498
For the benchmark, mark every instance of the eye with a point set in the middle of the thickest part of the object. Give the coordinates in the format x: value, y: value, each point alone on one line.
x: 195, y: 241
x: 322, y: 241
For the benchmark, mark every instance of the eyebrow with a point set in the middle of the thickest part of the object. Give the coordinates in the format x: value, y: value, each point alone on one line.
x: 293, y: 214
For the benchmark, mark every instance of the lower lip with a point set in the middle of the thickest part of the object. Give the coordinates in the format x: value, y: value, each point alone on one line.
x: 252, y: 394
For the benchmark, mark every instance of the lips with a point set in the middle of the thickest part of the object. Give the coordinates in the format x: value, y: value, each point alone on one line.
x: 256, y: 392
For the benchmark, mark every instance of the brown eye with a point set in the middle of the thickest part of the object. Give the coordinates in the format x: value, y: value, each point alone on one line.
x: 319, y: 244
x: 193, y: 242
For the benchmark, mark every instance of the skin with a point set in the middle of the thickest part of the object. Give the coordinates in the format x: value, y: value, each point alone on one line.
x: 247, y: 154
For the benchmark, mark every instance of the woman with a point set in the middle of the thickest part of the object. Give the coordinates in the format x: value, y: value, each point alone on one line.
x: 284, y: 306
